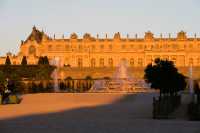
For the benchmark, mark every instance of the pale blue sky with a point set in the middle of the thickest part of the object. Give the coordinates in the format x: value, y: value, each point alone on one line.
x: 95, y: 16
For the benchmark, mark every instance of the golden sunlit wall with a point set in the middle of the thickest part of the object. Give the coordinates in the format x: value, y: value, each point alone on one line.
x: 90, y: 51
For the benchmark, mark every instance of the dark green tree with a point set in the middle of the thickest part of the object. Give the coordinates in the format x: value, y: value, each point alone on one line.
x: 163, y: 75
x: 2, y: 77
x: 24, y: 61
x: 42, y: 73
x: 7, y: 62
x: 40, y: 61
x: 197, y: 90
x: 45, y: 60
x: 15, y: 83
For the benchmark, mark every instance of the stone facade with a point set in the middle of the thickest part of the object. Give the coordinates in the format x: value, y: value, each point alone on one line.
x: 108, y: 52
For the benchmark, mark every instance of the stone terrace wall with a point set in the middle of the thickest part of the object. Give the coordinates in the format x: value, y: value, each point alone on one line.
x: 137, y: 72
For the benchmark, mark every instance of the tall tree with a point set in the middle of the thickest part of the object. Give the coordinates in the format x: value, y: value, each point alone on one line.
x: 24, y: 61
x: 163, y: 75
x: 2, y: 77
x: 7, y: 62
x: 40, y: 61
x: 45, y: 60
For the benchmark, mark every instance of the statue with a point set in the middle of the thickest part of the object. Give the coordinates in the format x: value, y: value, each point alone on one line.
x: 73, y: 36
x: 117, y: 36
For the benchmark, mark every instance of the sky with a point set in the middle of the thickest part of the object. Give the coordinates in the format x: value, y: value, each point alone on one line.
x: 17, y: 17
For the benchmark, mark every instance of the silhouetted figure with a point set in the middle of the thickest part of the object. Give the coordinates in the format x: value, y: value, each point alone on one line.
x: 11, y: 85
x: 6, y: 92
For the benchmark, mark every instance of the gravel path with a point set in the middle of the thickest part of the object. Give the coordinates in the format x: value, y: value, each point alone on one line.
x: 88, y: 113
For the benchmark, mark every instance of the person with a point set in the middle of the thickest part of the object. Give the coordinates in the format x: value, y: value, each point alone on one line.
x: 10, y: 85
x: 1, y: 92
x: 6, y: 92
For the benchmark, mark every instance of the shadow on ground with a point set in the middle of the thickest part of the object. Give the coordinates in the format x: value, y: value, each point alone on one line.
x: 132, y: 113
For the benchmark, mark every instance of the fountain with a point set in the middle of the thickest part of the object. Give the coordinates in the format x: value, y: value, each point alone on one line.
x: 121, y: 81
x: 55, y: 62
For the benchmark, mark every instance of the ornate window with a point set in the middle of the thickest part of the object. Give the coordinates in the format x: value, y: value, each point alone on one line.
x: 123, y: 60
x: 32, y: 50
x: 185, y: 46
x: 166, y: 57
x: 110, y: 46
x: 132, y: 62
x: 80, y: 62
x: 165, y: 46
x: 93, y: 47
x: 123, y: 46
x: 101, y: 62
x: 198, y: 61
x: 102, y: 46
x: 156, y: 46
x: 50, y: 48
x: 93, y: 62
x: 191, y: 61
x: 66, y: 61
x: 132, y: 46
x: 174, y: 46
x: 67, y: 47
x: 181, y: 60
x: 148, y: 59
x: 110, y: 62
x: 58, y: 47
x: 191, y: 45
x: 140, y: 62
x: 140, y: 46
x: 173, y: 59
x: 80, y: 47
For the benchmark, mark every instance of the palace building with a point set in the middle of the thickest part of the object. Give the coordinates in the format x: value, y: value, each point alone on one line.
x: 95, y: 52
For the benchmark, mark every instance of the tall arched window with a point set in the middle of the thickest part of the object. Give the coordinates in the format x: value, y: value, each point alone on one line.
x: 101, y: 62
x: 165, y: 57
x: 50, y: 48
x: 110, y: 62
x: 67, y: 47
x: 191, y: 62
x: 173, y: 59
x: 140, y: 62
x: 58, y: 47
x: 101, y: 46
x: 181, y: 60
x: 198, y: 61
x: 123, y: 60
x: 132, y: 62
x: 32, y: 50
x: 66, y: 60
x: 93, y: 63
x: 110, y: 47
x: 80, y: 62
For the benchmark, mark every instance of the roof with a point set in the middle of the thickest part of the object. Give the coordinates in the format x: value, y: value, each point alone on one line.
x: 36, y: 35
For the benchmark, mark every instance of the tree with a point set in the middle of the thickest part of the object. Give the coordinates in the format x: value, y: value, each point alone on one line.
x: 42, y: 73
x: 7, y: 62
x: 14, y: 83
x: 88, y: 77
x: 2, y: 77
x: 163, y: 75
x: 197, y: 90
x: 40, y: 61
x: 24, y: 61
x: 45, y: 60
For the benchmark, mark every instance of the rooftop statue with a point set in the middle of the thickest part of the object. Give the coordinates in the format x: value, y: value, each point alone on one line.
x: 73, y: 36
